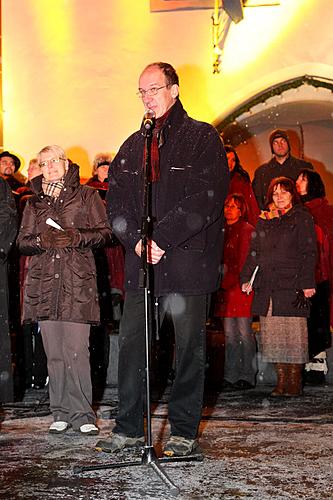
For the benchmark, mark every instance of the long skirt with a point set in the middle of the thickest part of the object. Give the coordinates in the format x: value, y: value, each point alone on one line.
x: 284, y: 339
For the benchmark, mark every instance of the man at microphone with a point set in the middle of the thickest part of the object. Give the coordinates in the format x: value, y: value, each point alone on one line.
x: 189, y: 182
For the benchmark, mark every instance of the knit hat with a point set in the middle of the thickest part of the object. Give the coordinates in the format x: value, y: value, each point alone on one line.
x: 278, y: 133
x: 17, y: 161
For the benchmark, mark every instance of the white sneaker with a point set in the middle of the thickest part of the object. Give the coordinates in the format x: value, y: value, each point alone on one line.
x: 58, y: 427
x: 89, y: 430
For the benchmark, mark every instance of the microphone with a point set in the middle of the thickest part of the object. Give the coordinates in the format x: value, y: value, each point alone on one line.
x: 149, y: 119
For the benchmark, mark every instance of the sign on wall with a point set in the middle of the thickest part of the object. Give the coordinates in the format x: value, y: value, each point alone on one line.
x: 168, y: 5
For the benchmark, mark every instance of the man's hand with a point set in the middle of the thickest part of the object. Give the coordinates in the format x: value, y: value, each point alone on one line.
x: 154, y: 252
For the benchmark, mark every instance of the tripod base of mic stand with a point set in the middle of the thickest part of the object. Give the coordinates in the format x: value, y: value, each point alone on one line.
x: 148, y: 458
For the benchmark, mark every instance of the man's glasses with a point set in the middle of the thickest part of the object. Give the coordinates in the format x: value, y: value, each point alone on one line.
x: 53, y: 161
x: 150, y: 92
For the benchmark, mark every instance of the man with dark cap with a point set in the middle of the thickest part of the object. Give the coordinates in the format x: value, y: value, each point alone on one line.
x: 283, y: 164
x: 9, y: 164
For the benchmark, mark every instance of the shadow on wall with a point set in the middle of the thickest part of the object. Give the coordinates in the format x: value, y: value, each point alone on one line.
x: 192, y: 83
x: 80, y: 156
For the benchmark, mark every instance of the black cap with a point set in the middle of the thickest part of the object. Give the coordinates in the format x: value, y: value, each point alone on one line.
x: 17, y: 161
x: 278, y: 133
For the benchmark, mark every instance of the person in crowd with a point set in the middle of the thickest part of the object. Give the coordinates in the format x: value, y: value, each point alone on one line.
x: 189, y: 181
x: 33, y: 365
x: 232, y: 305
x: 284, y: 249
x: 9, y: 168
x: 115, y: 252
x: 8, y: 230
x: 60, y: 291
x: 9, y: 165
x: 24, y: 191
x: 282, y: 164
x: 312, y: 192
x: 110, y: 281
x: 240, y: 183
x: 100, y: 171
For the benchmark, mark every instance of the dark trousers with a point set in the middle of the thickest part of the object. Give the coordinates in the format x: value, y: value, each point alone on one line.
x: 35, y: 363
x: 189, y: 319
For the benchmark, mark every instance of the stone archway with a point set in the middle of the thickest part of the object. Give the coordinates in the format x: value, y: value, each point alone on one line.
x: 303, y: 106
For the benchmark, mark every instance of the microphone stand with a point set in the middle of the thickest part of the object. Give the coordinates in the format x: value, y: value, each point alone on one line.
x: 149, y: 456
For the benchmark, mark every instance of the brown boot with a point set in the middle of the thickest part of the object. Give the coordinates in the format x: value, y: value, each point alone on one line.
x: 294, y: 381
x: 281, y: 370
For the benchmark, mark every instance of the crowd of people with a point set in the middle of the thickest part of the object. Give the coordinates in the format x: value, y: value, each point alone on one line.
x: 74, y: 256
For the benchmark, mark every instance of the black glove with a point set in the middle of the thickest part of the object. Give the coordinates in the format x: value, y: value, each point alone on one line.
x: 301, y: 302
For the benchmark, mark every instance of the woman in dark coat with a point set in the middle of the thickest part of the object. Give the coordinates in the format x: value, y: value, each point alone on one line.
x: 240, y: 183
x: 60, y: 290
x: 312, y: 192
x: 232, y: 304
x: 284, y: 249
x: 8, y: 230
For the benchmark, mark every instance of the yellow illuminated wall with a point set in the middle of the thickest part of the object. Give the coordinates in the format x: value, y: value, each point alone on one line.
x: 70, y: 67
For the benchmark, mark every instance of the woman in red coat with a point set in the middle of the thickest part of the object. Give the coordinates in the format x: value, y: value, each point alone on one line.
x: 232, y: 305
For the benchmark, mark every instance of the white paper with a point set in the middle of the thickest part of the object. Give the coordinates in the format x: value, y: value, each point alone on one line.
x: 253, y: 277
x: 54, y: 224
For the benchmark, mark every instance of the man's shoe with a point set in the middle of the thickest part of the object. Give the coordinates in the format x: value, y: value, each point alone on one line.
x: 58, y: 427
x: 89, y: 430
x: 118, y: 442
x: 179, y: 446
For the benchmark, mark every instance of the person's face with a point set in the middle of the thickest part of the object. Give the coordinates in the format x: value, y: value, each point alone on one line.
x: 232, y: 212
x: 231, y: 160
x: 7, y: 165
x: 102, y: 172
x: 53, y: 168
x: 280, y: 147
x: 302, y: 184
x: 281, y: 197
x: 161, y: 102
x: 33, y: 170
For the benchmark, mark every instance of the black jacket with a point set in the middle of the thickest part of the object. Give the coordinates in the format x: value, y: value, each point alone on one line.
x: 187, y: 205
x: 285, y: 249
x: 8, y: 230
x: 291, y: 168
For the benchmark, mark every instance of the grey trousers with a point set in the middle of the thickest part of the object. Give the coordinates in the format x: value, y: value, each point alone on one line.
x: 240, y: 350
x: 67, y: 349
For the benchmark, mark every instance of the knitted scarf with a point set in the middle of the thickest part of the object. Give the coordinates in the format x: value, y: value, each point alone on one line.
x: 156, y: 142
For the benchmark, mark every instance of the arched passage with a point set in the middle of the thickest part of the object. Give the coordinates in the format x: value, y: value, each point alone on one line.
x: 303, y: 106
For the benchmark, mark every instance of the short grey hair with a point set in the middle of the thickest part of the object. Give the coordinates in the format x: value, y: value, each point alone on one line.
x: 57, y: 150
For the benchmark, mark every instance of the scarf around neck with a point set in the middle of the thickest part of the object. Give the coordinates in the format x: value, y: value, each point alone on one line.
x: 273, y: 212
x: 52, y: 189
x: 156, y: 142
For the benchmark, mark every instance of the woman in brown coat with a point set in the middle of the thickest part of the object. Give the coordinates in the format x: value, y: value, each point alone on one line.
x: 60, y: 289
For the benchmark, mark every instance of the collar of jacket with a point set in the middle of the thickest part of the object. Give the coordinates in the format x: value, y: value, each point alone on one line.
x: 288, y: 159
x: 175, y: 118
x: 315, y: 202
x: 71, y: 179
